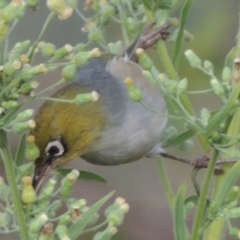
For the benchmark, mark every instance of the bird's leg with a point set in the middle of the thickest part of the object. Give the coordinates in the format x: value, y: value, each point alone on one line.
x: 198, y: 163
x: 147, y: 39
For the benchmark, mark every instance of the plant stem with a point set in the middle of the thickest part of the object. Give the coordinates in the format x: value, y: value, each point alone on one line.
x: 179, y: 41
x: 6, y: 40
x: 80, y: 15
x: 123, y: 20
x: 1, y: 51
x: 53, y: 86
x: 166, y: 60
x: 217, y: 229
x: 203, y: 197
x: 45, y: 25
x: 163, y: 53
x: 9, y: 168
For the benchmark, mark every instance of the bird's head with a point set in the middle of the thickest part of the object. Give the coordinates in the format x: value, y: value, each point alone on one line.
x: 65, y: 131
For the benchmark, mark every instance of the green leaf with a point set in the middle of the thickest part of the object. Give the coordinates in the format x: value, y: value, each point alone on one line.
x: 224, y: 112
x: 228, y: 183
x: 78, y: 227
x: 192, y: 198
x: 176, y: 141
x: 19, y: 157
x: 84, y: 175
x: 179, y: 216
x: 189, y: 203
x: 230, y: 58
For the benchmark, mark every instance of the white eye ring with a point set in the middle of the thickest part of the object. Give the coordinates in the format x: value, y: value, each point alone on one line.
x: 56, y: 147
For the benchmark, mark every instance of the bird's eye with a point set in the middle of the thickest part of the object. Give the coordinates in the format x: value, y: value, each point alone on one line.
x: 55, y: 148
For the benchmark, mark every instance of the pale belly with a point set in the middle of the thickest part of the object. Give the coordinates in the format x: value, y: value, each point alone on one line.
x: 140, y: 133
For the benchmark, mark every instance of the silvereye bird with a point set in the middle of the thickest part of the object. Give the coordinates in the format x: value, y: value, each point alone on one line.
x: 111, y: 131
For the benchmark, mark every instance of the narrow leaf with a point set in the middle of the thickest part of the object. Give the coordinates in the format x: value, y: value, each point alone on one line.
x: 224, y: 112
x: 181, y: 138
x: 230, y: 58
x: 228, y: 183
x: 179, y: 216
x: 77, y: 228
x: 192, y: 198
x: 179, y: 41
x: 19, y: 157
x: 84, y: 175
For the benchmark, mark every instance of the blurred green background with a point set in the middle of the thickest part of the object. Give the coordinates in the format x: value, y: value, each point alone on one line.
x: 214, y: 24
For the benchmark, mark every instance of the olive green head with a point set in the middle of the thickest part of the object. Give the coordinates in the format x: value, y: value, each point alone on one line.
x: 65, y: 131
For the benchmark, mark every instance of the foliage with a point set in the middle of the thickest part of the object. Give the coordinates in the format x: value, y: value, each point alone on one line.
x: 217, y: 131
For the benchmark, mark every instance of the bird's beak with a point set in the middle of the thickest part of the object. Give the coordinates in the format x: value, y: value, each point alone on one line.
x: 41, y: 171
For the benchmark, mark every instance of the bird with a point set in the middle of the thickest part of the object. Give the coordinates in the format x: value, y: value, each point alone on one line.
x: 110, y: 131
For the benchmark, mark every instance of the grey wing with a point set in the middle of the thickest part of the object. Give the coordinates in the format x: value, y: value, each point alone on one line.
x: 139, y: 133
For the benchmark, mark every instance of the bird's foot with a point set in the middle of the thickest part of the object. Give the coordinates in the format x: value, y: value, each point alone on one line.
x: 147, y: 39
x: 200, y: 162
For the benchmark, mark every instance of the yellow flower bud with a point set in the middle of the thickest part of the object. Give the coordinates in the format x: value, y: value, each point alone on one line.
x: 61, y: 8
x: 86, y: 98
x: 234, y: 232
x: 9, y: 104
x: 173, y: 22
x: 182, y: 86
x: 128, y: 81
x: 82, y: 58
x: 63, y: 52
x: 22, y: 127
x: 8, y: 69
x: 67, y: 183
x: 33, y: 4
x: 226, y: 74
x: 24, y: 58
x: 132, y: 25
x: 115, y: 213
x: 26, y: 88
x: 205, y: 115
x: 3, y: 28
x: 37, y: 223
x: 135, y: 94
x: 62, y: 232
x: 21, y: 46
x: 115, y: 48
x: 144, y: 60
x: 217, y: 87
x: 95, y: 34
x: 208, y: 65
x: 106, y: 11
x: 69, y: 72
x: 233, y: 194
x: 193, y: 59
x: 24, y: 115
x: 48, y: 50
x: 5, y: 219
x: 32, y: 151
x: 95, y: 52
x: 28, y: 192
x: 17, y: 65
x: 188, y: 37
x: 64, y: 219
x: 48, y: 189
